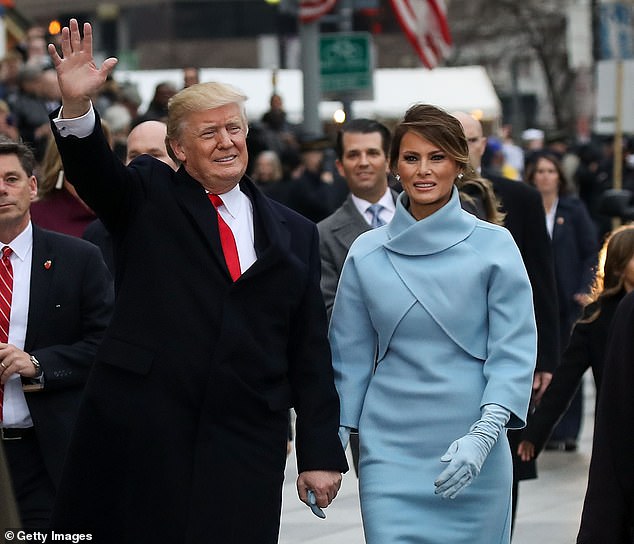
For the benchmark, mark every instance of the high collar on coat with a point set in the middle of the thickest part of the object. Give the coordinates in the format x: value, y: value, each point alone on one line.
x: 443, y: 229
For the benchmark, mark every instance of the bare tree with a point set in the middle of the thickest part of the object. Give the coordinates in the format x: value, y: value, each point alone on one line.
x: 499, y: 31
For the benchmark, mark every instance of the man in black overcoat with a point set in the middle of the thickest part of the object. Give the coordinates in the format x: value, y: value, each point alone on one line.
x: 525, y: 219
x: 182, y: 433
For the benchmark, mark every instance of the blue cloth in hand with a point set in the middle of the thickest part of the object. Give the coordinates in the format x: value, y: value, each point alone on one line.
x: 312, y: 502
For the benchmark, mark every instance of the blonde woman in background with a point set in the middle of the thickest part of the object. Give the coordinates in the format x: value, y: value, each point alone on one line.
x: 58, y: 206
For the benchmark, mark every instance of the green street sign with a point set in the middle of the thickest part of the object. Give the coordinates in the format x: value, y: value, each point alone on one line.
x: 346, y: 65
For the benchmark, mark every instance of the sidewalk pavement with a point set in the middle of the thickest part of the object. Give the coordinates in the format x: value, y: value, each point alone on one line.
x: 549, y: 507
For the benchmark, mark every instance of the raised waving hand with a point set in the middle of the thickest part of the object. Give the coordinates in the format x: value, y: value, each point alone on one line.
x: 78, y: 76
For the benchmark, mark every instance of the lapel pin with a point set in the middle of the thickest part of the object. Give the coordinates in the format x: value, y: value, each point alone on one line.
x: 560, y: 220
x: 47, y: 264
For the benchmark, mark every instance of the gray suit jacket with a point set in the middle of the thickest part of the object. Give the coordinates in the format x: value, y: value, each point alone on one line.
x: 336, y: 234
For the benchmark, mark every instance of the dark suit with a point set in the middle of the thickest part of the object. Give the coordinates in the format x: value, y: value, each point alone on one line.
x: 575, y: 249
x: 70, y: 304
x: 182, y: 434
x: 526, y: 221
x: 608, y: 509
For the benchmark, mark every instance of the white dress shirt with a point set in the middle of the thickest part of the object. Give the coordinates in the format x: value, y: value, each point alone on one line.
x: 15, y: 411
x: 385, y: 214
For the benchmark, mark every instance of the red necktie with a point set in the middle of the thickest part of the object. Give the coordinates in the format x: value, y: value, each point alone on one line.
x: 6, y: 294
x: 227, y: 240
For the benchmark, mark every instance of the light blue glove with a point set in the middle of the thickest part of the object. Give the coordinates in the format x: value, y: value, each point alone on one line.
x: 467, y: 454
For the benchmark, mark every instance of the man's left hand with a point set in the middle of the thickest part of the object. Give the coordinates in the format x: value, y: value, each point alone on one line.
x: 324, y: 483
x: 14, y: 361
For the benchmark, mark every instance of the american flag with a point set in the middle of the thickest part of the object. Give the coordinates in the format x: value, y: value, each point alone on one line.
x: 425, y: 25
x: 311, y: 10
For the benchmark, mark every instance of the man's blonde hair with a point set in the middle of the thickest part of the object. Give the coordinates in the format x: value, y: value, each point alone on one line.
x: 201, y: 97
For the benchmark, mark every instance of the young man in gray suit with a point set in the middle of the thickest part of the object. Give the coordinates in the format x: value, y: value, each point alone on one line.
x: 362, y: 149
x: 362, y: 159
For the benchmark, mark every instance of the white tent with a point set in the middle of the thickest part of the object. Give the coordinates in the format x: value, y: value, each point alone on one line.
x: 466, y: 88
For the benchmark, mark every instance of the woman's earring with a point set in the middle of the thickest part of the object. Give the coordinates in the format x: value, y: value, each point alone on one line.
x: 460, y: 175
x: 398, y: 178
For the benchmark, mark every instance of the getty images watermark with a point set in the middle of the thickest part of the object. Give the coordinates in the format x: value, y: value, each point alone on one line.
x: 38, y: 535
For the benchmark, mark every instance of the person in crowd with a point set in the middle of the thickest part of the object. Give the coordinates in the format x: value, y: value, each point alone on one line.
x: 575, y: 248
x: 609, y: 502
x: 30, y: 111
x: 276, y: 132
x: 148, y: 138
x: 362, y: 149
x: 58, y: 206
x: 316, y: 192
x: 268, y: 175
x: 117, y: 117
x: 513, y: 153
x: 589, y: 186
x: 586, y: 348
x: 56, y: 301
x: 430, y: 383
x: 525, y: 219
x: 191, y: 76
x: 157, y: 110
x: 10, y: 67
x: 494, y: 160
x: 208, y: 346
x: 6, y: 122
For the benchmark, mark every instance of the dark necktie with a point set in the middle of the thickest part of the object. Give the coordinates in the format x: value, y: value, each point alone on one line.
x: 227, y: 240
x: 6, y: 294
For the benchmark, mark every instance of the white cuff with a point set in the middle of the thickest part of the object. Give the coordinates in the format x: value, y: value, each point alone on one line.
x: 77, y: 126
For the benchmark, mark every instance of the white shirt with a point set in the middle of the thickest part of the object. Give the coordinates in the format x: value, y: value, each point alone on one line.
x: 15, y: 411
x: 550, y: 218
x: 386, y: 214
x: 237, y: 210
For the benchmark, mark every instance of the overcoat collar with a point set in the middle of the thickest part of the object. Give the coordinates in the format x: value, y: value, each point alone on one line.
x: 272, y: 238
x: 441, y: 230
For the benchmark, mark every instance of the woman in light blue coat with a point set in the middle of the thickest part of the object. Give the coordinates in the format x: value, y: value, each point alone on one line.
x: 434, y: 345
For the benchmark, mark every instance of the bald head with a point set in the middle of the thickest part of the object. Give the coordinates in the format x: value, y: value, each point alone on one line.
x: 149, y: 138
x: 473, y: 132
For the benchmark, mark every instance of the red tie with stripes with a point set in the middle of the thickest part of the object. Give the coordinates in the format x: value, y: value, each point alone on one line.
x: 227, y: 240
x: 6, y: 294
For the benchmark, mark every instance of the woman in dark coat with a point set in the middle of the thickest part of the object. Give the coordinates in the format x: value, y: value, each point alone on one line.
x: 574, y: 244
x: 588, y: 341
x: 608, y: 512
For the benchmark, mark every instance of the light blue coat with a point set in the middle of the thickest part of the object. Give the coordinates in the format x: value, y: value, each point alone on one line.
x: 443, y: 308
